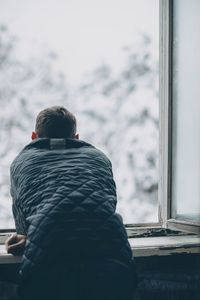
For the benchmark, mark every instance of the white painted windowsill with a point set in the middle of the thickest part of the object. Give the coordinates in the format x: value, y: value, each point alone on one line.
x: 141, y: 246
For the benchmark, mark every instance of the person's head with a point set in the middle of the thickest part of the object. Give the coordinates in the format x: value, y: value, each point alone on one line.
x: 55, y: 122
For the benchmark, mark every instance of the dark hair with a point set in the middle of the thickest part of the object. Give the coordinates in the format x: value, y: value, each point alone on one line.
x: 55, y: 122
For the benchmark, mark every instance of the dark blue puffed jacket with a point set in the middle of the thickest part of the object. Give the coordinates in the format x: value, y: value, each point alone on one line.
x: 64, y: 200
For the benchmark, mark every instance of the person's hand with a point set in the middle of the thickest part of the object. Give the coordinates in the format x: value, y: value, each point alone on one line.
x: 15, y: 244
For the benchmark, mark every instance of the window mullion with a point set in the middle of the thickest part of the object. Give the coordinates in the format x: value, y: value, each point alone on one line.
x: 165, y: 71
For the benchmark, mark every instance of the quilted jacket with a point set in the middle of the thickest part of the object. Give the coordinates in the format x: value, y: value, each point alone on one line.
x: 64, y: 200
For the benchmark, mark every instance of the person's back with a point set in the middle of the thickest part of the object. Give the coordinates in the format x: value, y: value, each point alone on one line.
x: 64, y: 201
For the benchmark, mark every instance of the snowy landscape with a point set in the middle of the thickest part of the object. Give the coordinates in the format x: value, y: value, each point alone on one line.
x: 116, y: 110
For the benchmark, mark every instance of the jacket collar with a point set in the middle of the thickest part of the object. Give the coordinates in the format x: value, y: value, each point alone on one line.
x: 57, y: 143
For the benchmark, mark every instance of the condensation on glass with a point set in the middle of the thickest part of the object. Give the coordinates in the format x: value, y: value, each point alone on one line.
x: 186, y: 111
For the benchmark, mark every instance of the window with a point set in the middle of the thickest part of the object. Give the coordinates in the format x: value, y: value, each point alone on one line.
x: 186, y: 111
x: 179, y: 113
x: 179, y: 125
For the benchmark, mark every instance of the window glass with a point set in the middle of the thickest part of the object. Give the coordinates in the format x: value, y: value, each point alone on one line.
x: 186, y: 110
x: 100, y: 60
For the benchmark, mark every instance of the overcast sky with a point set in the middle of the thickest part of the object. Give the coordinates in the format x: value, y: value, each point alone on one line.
x: 83, y: 33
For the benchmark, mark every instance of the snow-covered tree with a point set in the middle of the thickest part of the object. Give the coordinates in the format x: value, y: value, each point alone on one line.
x: 116, y: 110
x: 26, y: 87
x: 119, y: 112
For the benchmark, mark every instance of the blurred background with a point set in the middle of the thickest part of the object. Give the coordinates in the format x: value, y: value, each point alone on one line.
x: 100, y: 60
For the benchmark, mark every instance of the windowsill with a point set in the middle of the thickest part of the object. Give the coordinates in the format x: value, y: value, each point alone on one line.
x: 165, y: 245
x: 142, y: 246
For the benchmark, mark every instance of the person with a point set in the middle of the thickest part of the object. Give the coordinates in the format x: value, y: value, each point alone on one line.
x: 74, y: 244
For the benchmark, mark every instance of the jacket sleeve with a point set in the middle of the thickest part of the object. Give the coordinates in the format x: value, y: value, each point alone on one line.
x: 20, y: 221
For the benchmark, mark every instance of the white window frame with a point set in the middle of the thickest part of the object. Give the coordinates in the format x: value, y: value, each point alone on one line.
x: 165, y: 219
x: 165, y: 97
x: 165, y: 117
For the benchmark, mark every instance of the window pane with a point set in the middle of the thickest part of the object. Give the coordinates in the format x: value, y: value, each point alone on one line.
x: 98, y: 58
x: 186, y: 110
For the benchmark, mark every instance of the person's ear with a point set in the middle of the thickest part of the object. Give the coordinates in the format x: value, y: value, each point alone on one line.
x: 34, y: 135
x: 77, y: 136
